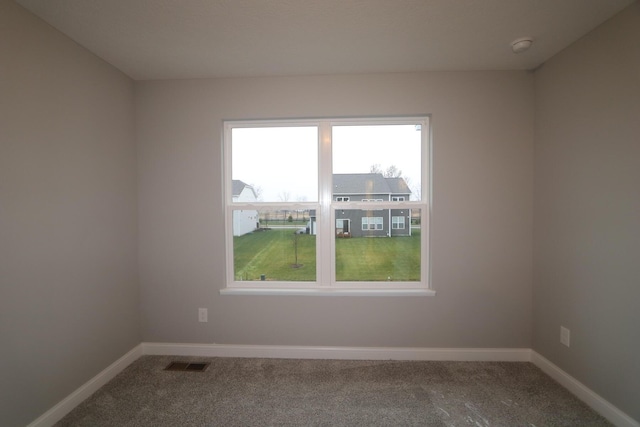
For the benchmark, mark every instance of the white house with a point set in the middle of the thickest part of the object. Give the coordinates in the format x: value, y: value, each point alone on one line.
x: 244, y: 221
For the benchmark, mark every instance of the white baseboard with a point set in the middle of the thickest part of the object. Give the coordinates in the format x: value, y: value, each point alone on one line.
x: 344, y: 353
x: 602, y: 406
x: 584, y: 393
x: 65, y: 406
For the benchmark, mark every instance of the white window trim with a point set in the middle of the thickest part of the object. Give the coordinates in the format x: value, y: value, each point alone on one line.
x: 394, y: 222
x: 377, y: 221
x: 314, y: 291
x: 325, y: 283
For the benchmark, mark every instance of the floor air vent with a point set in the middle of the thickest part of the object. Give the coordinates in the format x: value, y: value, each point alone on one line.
x: 186, y: 366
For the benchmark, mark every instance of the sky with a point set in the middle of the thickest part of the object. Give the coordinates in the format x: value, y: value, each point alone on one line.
x: 282, y: 162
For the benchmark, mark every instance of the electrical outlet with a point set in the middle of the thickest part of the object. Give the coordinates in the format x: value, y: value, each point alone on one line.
x: 565, y: 336
x: 202, y: 315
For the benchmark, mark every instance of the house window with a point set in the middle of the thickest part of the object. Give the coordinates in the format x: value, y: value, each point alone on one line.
x: 287, y: 230
x: 372, y: 223
x: 397, y: 222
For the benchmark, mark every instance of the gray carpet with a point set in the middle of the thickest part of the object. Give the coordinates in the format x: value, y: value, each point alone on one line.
x: 277, y: 392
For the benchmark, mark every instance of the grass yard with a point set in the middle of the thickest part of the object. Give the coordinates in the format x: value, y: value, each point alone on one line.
x: 378, y: 258
x: 271, y: 253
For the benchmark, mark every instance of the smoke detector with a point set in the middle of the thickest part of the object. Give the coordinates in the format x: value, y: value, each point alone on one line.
x: 521, y: 44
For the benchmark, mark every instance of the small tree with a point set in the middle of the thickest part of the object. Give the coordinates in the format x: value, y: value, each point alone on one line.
x: 391, y: 172
x: 284, y: 196
x: 296, y: 236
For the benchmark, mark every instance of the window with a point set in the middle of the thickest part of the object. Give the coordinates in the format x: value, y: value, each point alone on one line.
x: 397, y: 222
x: 372, y: 223
x: 286, y: 227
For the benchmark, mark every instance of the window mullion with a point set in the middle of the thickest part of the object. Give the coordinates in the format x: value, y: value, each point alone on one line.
x: 325, y: 245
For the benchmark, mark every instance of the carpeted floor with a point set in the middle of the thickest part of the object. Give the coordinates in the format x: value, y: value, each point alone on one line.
x: 277, y: 392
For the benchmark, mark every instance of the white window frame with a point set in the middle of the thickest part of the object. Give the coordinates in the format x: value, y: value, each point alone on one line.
x: 325, y: 208
x: 373, y: 223
x: 395, y: 224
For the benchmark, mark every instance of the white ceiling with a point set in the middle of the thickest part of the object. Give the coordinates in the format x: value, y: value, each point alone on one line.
x: 173, y: 39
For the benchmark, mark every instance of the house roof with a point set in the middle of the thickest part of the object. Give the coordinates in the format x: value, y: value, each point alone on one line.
x: 368, y: 183
x: 237, y: 186
x: 398, y: 186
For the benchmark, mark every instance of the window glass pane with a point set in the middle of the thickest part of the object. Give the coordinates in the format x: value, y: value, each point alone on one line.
x: 397, y: 222
x: 280, y: 245
x: 377, y: 162
x: 376, y: 251
x: 371, y: 173
x: 280, y: 163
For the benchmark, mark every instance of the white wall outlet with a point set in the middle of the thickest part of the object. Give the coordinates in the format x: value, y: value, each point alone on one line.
x: 565, y: 336
x: 203, y: 315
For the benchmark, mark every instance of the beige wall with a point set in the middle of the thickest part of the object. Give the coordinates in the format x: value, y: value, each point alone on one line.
x: 68, y: 261
x: 482, y: 212
x: 587, y: 210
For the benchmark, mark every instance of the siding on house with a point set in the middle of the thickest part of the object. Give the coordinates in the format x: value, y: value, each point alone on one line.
x: 244, y: 221
x: 373, y: 187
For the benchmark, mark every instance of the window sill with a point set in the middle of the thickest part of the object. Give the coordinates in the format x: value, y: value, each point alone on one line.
x: 329, y: 292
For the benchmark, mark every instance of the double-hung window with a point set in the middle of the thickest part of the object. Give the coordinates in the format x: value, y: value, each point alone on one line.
x: 397, y: 222
x: 372, y: 223
x: 327, y: 206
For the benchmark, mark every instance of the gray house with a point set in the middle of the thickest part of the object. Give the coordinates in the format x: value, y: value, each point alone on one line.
x: 369, y: 187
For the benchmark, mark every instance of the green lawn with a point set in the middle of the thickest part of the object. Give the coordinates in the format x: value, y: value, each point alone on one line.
x: 378, y: 258
x: 271, y: 253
